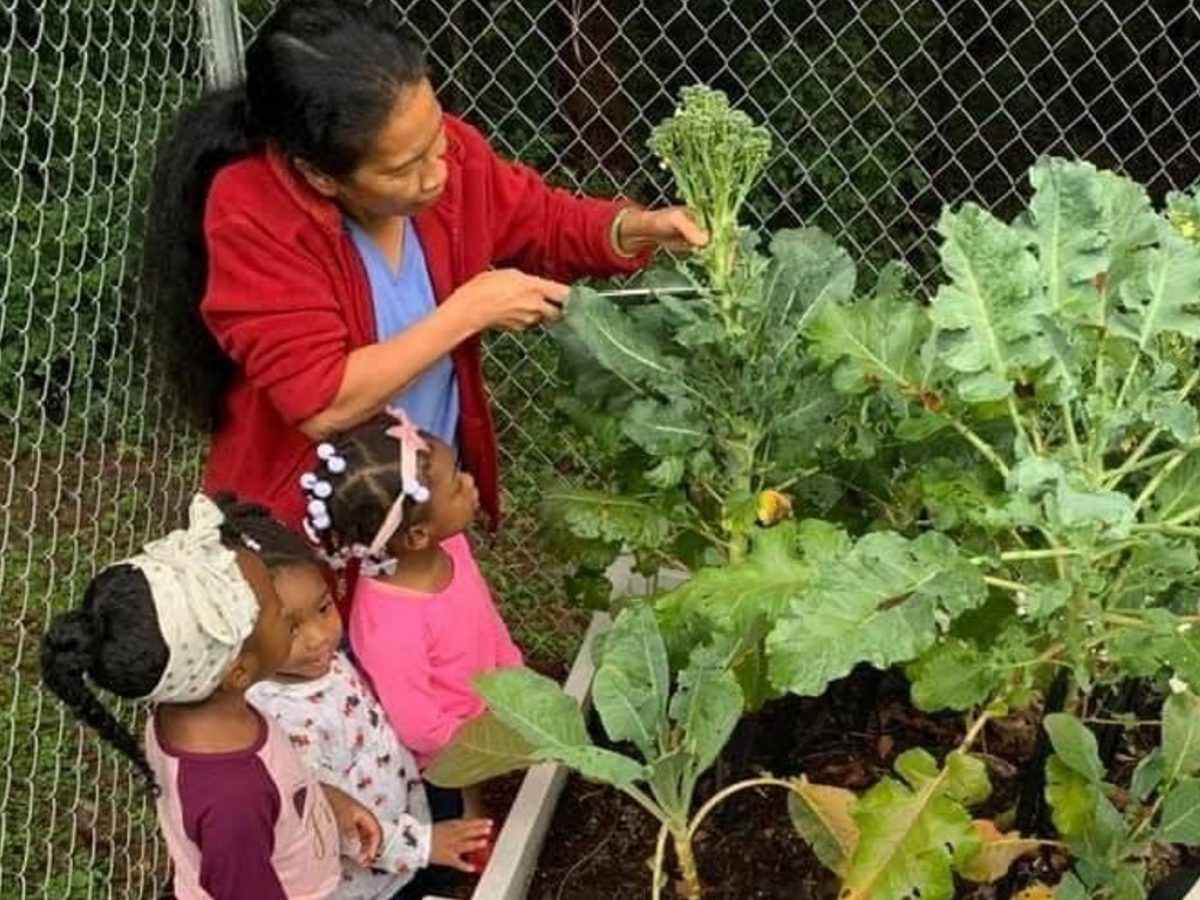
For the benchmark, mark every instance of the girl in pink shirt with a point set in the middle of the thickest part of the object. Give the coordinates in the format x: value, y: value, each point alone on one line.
x: 187, y: 626
x: 422, y: 620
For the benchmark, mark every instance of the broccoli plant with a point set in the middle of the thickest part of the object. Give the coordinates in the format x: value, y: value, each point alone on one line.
x: 715, y: 155
x: 903, y: 835
x: 699, y: 408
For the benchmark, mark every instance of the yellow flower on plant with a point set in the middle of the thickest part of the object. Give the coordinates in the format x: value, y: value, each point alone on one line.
x: 773, y: 507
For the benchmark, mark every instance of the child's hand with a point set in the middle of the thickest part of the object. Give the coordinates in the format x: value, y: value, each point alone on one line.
x: 357, y: 824
x: 456, y: 838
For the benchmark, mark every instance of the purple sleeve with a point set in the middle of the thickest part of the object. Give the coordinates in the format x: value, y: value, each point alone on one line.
x: 229, y: 812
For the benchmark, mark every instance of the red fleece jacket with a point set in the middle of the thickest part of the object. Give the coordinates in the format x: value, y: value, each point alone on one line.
x: 288, y: 299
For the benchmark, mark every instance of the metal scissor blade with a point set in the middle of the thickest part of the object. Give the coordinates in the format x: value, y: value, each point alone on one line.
x: 631, y: 293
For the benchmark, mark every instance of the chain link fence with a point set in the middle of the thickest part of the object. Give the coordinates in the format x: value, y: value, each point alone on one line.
x: 883, y: 110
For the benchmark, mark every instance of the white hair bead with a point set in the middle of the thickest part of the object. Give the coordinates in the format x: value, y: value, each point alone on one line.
x: 322, y: 489
x: 325, y: 450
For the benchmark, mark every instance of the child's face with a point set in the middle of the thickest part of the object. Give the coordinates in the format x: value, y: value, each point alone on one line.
x: 316, y: 627
x: 267, y: 647
x: 454, y: 499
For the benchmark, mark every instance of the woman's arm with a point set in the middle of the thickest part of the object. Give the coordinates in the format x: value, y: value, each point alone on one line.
x: 273, y: 311
x: 374, y: 374
x: 562, y: 235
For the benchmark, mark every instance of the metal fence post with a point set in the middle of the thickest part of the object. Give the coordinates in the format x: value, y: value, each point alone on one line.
x: 222, y: 41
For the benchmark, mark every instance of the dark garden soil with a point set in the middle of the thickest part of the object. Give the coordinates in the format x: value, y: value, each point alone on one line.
x: 600, y: 845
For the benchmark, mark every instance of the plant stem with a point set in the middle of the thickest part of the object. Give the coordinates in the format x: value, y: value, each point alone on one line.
x: 1051, y: 553
x: 1004, y: 584
x: 1020, y: 426
x: 717, y: 798
x: 1159, y: 477
x: 1149, y: 462
x: 687, y: 863
x: 1166, y: 528
x: 660, y: 853
x: 985, y: 449
x: 1131, y: 462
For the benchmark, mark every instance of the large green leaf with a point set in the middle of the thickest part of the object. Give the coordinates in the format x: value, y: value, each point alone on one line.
x: 989, y: 313
x: 881, y: 605
x: 616, y: 342
x: 483, y: 748
x: 1161, y: 296
x: 911, y: 837
x: 871, y: 342
x: 535, y: 707
x: 706, y: 707
x: 1181, y: 736
x: 1180, y: 820
x: 551, y: 722
x: 1073, y: 798
x: 632, y: 684
x: 595, y: 515
x: 951, y: 675
x: 731, y: 598
x: 1066, y: 213
x: 597, y: 764
x: 664, y: 429
x: 808, y: 271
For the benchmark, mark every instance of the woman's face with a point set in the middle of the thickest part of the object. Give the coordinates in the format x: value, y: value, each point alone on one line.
x: 404, y: 172
x: 316, y: 626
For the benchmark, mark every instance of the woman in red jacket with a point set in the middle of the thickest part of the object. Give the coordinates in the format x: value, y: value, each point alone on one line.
x: 323, y: 240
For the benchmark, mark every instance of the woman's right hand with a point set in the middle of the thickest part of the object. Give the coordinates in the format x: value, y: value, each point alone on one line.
x: 456, y: 838
x: 509, y: 299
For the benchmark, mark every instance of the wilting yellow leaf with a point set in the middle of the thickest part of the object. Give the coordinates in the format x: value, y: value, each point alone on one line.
x: 997, y: 852
x: 1037, y: 891
x: 823, y: 815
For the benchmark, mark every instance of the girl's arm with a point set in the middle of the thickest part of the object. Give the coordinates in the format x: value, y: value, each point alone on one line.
x: 230, y: 816
x: 406, y: 845
x: 324, y: 738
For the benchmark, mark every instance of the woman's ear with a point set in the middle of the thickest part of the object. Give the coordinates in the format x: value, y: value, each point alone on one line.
x: 317, y: 180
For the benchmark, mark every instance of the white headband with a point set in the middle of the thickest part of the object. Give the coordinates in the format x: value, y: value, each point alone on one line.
x: 206, y: 609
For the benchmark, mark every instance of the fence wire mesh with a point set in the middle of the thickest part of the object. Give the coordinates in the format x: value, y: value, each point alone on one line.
x: 882, y: 110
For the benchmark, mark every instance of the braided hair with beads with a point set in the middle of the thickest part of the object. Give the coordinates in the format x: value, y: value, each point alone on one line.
x: 358, y: 479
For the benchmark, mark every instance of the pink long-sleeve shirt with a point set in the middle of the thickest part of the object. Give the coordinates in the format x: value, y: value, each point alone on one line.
x: 421, y: 650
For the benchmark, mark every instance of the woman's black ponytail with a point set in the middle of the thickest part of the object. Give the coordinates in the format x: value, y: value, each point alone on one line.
x: 112, y: 640
x: 202, y: 139
x: 322, y: 77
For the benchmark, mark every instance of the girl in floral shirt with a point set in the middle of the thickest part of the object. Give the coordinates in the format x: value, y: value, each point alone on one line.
x: 334, y: 721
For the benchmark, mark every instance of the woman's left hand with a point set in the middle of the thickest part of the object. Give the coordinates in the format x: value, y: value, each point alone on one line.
x: 670, y: 229
x: 357, y: 824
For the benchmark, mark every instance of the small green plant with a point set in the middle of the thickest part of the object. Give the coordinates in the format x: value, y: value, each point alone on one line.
x: 676, y: 724
x: 1111, y: 833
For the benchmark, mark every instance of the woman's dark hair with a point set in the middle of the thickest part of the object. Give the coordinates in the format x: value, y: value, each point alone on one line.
x: 367, y: 486
x: 274, y: 543
x: 322, y: 77
x: 113, y: 640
